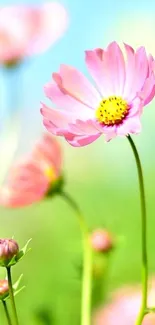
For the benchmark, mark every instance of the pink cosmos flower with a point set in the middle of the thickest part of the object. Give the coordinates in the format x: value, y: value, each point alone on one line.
x: 124, y: 86
x: 27, y: 30
x: 101, y: 240
x: 4, y: 288
x: 30, y: 180
x: 124, y: 308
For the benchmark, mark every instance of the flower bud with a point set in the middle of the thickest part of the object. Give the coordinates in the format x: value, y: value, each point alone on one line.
x: 8, y: 249
x: 4, y: 289
x: 101, y: 240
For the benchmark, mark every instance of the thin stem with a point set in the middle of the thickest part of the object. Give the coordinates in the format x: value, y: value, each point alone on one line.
x: 6, y: 312
x: 12, y: 296
x: 76, y: 208
x: 150, y: 310
x: 87, y: 263
x: 144, y: 236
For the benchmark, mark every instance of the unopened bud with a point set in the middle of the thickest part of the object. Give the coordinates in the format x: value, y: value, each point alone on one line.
x: 101, y: 240
x: 4, y: 289
x: 8, y: 249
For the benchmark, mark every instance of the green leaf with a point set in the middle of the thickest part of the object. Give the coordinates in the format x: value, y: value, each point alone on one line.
x: 15, y: 288
x: 12, y: 262
x: 23, y: 251
x: 17, y: 283
x: 19, y: 290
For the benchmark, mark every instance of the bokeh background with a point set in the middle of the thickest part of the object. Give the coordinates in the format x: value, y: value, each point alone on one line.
x: 102, y: 177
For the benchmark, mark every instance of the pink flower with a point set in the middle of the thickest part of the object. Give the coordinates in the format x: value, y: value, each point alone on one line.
x: 8, y: 249
x: 4, y: 289
x: 124, y: 308
x: 27, y: 30
x: 124, y: 86
x: 101, y: 240
x: 30, y: 180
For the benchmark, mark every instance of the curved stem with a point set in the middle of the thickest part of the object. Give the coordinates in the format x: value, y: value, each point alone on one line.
x: 87, y: 263
x: 144, y: 236
x: 6, y: 312
x: 12, y: 295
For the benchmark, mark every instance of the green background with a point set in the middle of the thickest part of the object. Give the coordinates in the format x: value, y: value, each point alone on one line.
x: 102, y: 178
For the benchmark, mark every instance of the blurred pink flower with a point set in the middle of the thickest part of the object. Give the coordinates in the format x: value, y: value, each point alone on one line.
x: 27, y: 30
x: 30, y: 180
x: 124, y: 308
x: 4, y: 288
x: 124, y: 86
x: 101, y: 240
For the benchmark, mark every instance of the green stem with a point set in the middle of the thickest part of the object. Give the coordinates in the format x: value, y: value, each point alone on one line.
x: 86, y: 283
x: 150, y: 310
x: 6, y: 312
x: 144, y: 236
x: 12, y: 295
x: 87, y: 263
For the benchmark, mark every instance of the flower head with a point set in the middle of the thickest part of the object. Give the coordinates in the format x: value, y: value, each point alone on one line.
x: 4, y: 289
x: 128, y: 300
x: 27, y: 30
x: 32, y: 179
x: 101, y: 240
x: 8, y: 249
x: 124, y: 86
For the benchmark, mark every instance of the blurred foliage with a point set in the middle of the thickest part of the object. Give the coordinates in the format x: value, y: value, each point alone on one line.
x: 51, y: 270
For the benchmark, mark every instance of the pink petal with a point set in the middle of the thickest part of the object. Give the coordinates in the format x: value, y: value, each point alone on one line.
x: 142, y: 68
x: 57, y: 117
x: 136, y: 107
x: 77, y: 132
x: 51, y: 24
x: 130, y: 125
x: 19, y: 199
x: 99, y: 52
x: 59, y: 122
x: 78, y: 86
x: 108, y: 69
x: 31, y: 29
x: 26, y: 184
x: 72, y: 134
x: 48, y: 153
x: 15, y: 35
x: 130, y: 71
x: 137, y: 68
x: 151, y: 63
x: 56, y: 130
x: 116, y: 68
x: 85, y: 127
x: 99, y: 74
x: 109, y: 132
x: 55, y: 121
x: 80, y: 141
x: 110, y: 136
x: 78, y: 128
x: 52, y: 128
x: 148, y: 91
x: 64, y: 100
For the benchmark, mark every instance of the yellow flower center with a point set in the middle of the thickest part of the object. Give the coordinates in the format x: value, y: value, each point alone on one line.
x: 112, y: 110
x: 50, y: 173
